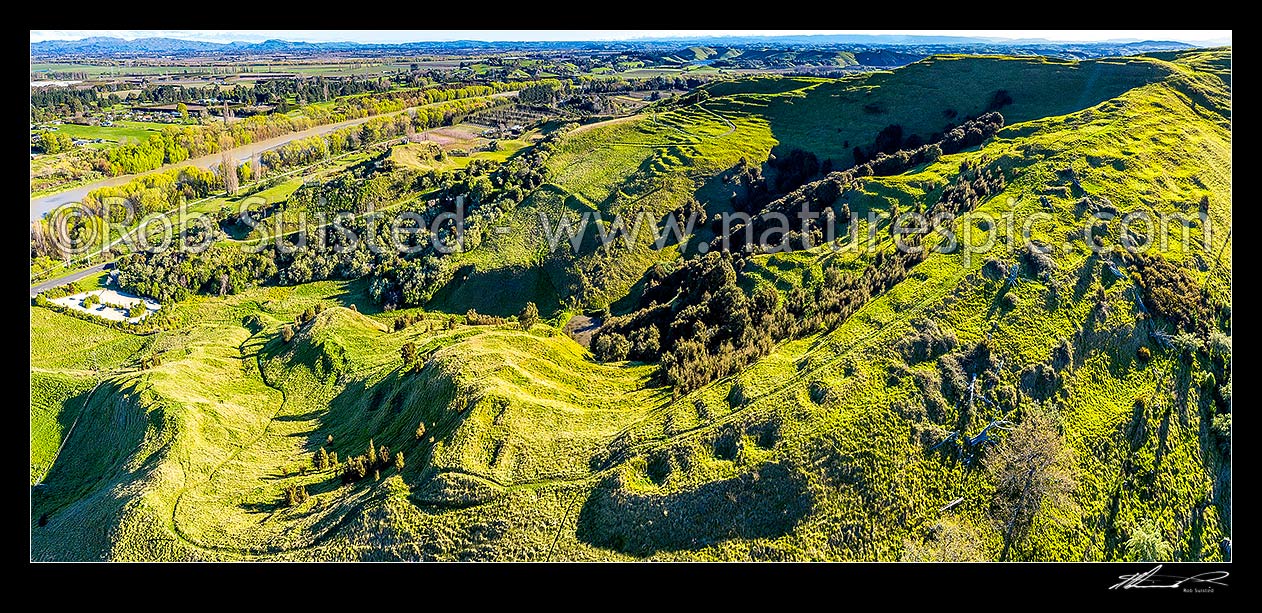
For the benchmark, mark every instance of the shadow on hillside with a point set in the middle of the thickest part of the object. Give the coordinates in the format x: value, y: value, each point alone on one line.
x: 501, y: 292
x: 388, y: 413
x: 356, y: 295
x: 764, y: 503
x: 917, y: 97
x: 1086, y: 276
x: 95, y: 454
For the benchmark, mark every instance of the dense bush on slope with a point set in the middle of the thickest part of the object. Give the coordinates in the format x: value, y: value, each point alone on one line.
x: 704, y: 326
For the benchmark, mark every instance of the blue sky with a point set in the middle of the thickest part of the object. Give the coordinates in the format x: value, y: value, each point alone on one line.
x: 398, y: 36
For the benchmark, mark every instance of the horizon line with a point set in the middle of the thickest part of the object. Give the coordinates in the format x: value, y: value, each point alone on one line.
x: 962, y: 39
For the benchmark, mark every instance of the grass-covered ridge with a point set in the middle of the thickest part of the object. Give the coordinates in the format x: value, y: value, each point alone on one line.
x: 531, y: 450
x: 830, y: 117
x: 673, y: 155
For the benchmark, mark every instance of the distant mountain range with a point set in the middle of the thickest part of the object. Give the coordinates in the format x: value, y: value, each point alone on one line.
x: 118, y: 47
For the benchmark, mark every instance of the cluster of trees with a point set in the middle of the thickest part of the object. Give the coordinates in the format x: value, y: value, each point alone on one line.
x: 325, y: 459
x: 174, y: 274
x: 66, y: 101
x: 49, y: 141
x: 971, y: 186
x: 696, y: 319
x: 303, y: 90
x: 147, y: 154
x: 410, y: 354
x: 474, y: 318
x: 975, y: 182
x: 373, y: 461
x: 583, y: 90
x: 485, y: 190
x: 297, y: 152
x: 792, y: 169
x: 409, y: 282
x: 153, y: 193
x: 61, y: 101
x: 839, y: 295
x: 971, y: 133
x: 543, y: 93
x: 407, y: 320
x: 308, y: 315
x: 60, y: 291
x: 752, y: 193
x: 436, y: 107
x: 296, y: 495
x: 361, y: 188
x: 1171, y: 292
x: 660, y: 82
x: 287, y: 332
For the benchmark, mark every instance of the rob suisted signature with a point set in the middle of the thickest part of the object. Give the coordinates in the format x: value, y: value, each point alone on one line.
x: 1151, y: 579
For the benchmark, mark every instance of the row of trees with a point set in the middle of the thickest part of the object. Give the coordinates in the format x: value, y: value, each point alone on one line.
x: 163, y: 191
x: 304, y: 90
x: 65, y: 100
x: 178, y: 143
x: 820, y: 196
x: 153, y: 193
x: 951, y: 140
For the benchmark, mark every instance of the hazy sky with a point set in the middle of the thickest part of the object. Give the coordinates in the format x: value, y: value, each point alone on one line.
x: 399, y: 36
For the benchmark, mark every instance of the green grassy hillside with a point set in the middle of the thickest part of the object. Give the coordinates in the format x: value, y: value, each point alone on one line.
x: 651, y: 164
x: 657, y: 162
x: 829, y: 117
x: 819, y: 451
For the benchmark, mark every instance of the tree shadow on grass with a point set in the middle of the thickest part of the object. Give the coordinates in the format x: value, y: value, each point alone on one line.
x: 763, y: 503
x: 501, y: 292
x: 356, y: 295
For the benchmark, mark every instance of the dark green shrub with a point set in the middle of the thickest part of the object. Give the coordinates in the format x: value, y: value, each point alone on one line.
x: 611, y: 347
x: 1221, y: 428
x: 528, y: 317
